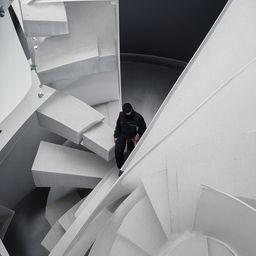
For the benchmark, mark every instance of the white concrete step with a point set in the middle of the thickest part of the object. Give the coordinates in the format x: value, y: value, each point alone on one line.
x: 107, y: 236
x: 48, y: 19
x: 126, y: 248
x: 56, y: 166
x: 6, y: 216
x: 99, y: 139
x: 142, y: 227
x: 67, y: 116
x: 53, y: 236
x: 76, y: 230
x: 87, y: 88
x: 68, y: 217
x: 3, y: 251
x: 156, y: 187
x: 88, y: 236
x: 60, y: 58
x: 110, y: 110
x: 59, y: 201
x: 227, y: 219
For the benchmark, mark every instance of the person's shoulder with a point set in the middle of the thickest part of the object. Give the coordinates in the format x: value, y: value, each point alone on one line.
x: 138, y: 115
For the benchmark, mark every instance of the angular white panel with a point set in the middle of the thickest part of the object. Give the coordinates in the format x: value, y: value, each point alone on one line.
x: 53, y: 236
x: 13, y: 87
x: 60, y: 204
x: 44, y: 19
x: 68, y: 218
x: 156, y: 187
x: 99, y: 139
x: 88, y: 236
x: 110, y: 110
x: 93, y: 89
x: 217, y: 248
x: 227, y: 219
x: 3, y: 251
x: 212, y: 66
x: 126, y: 248
x: 67, y: 116
x: 142, y: 227
x: 57, y: 165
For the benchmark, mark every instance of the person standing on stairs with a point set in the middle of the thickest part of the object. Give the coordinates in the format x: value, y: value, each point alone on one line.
x: 130, y: 126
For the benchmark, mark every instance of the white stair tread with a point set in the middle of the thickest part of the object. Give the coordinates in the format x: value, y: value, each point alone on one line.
x: 87, y: 88
x: 57, y: 207
x: 216, y: 248
x: 67, y: 116
x: 68, y: 218
x: 142, y: 227
x: 126, y: 248
x: 76, y: 229
x: 213, y: 218
x: 99, y: 139
x: 3, y: 251
x: 53, y: 236
x: 157, y: 190
x: 44, y: 19
x: 110, y: 110
x: 195, y: 245
x: 57, y: 165
x: 60, y: 51
x: 88, y: 236
x: 102, y: 188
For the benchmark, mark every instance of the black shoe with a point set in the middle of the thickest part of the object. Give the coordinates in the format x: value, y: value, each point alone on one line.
x: 120, y: 173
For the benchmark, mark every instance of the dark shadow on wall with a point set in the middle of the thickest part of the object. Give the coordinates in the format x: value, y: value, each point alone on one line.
x: 167, y: 28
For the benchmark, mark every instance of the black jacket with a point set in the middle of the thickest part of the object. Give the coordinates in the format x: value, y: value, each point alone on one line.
x: 129, y: 126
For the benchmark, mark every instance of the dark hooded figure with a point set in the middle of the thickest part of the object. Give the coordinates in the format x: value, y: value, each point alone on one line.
x: 130, y: 126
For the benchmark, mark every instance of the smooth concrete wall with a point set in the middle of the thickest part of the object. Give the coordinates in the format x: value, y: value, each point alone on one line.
x: 16, y: 160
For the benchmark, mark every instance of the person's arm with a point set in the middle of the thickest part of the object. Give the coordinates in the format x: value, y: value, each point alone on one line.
x: 142, y: 127
x: 117, y: 132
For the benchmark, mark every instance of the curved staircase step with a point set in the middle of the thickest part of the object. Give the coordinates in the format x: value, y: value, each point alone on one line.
x: 43, y: 20
x: 56, y: 166
x: 67, y: 116
x: 87, y: 88
x: 99, y: 139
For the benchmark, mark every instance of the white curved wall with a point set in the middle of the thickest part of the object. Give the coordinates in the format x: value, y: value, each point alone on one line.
x: 14, y: 69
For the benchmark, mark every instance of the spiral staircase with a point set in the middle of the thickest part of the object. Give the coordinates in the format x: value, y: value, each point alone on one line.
x: 188, y: 187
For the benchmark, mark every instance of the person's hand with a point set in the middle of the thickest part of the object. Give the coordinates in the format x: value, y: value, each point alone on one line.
x: 115, y: 139
x: 136, y: 138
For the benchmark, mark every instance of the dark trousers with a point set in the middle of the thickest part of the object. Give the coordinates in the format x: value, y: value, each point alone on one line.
x: 120, y: 147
